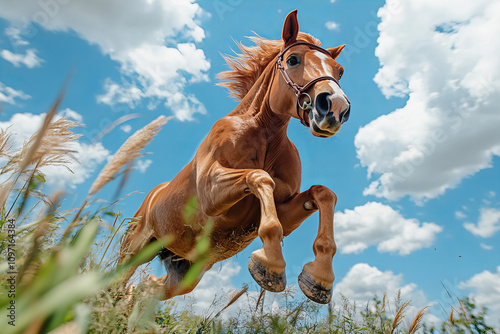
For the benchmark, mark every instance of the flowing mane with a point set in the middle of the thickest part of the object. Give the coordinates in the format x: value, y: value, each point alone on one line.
x: 248, y: 66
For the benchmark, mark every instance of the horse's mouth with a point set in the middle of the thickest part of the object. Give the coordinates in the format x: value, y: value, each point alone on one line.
x: 323, y: 133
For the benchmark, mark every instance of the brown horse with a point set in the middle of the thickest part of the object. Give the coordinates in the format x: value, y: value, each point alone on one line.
x: 246, y: 174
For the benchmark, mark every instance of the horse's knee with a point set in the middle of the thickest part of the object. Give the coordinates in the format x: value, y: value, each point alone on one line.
x: 323, y: 194
x: 258, y: 178
x: 271, y: 231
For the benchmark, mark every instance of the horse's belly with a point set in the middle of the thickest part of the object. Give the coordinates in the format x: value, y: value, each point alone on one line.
x: 236, y: 229
x: 227, y: 243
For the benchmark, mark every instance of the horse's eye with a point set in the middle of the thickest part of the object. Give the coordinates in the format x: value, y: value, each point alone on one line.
x: 293, y: 60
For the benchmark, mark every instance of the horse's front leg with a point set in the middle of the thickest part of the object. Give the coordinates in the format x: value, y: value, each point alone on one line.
x: 224, y: 187
x: 317, y: 277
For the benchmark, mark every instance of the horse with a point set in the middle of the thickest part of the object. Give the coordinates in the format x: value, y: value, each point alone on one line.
x: 246, y: 174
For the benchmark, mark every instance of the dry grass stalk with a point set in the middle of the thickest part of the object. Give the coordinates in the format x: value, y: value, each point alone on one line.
x: 54, y: 148
x: 261, y: 296
x: 417, y: 321
x: 400, y: 314
x: 30, y: 155
x: 5, y: 189
x: 127, y: 153
x: 50, y: 146
x: 450, y: 317
x: 235, y: 296
x: 463, y: 309
x: 5, y: 146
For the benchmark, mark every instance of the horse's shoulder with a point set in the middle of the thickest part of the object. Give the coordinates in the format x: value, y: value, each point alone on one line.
x: 235, y: 131
x: 232, y: 124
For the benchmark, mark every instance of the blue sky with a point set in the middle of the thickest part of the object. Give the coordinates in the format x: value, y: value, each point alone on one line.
x: 415, y: 168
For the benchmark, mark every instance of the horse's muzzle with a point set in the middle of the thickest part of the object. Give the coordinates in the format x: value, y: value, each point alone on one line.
x: 329, y: 113
x: 333, y: 106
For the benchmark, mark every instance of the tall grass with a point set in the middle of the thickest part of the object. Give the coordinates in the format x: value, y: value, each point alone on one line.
x: 67, y: 279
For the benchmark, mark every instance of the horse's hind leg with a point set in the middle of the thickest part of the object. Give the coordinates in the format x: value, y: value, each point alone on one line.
x: 317, y: 277
x: 140, y: 234
x: 133, y: 243
x: 173, y: 283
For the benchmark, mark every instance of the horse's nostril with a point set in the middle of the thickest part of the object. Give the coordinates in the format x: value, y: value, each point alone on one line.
x: 323, y: 103
x: 344, y: 115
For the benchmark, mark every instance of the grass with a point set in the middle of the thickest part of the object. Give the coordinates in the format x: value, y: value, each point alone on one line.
x: 67, y: 280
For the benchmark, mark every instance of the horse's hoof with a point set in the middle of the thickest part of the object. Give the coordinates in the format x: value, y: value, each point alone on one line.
x: 267, y: 279
x: 314, y: 290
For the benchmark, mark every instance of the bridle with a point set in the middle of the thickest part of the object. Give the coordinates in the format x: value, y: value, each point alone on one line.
x: 301, y: 91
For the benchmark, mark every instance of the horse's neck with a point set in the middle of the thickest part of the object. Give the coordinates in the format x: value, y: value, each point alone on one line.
x: 274, y: 126
x: 256, y: 104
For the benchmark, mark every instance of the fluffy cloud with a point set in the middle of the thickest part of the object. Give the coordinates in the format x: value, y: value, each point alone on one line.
x: 488, y: 224
x: 378, y: 224
x: 89, y: 156
x: 15, y: 38
x: 460, y: 215
x: 30, y: 59
x: 363, y: 282
x: 215, y: 290
x: 331, y: 25
x: 446, y: 61
x: 143, y: 165
x: 9, y: 95
x: 140, y: 35
x: 485, y: 289
x: 486, y: 246
x: 126, y: 128
x: 215, y: 281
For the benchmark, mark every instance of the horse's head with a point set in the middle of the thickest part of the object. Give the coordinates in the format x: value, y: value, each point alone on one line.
x: 307, y: 85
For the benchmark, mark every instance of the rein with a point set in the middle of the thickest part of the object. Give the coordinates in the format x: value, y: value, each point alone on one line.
x: 301, y: 91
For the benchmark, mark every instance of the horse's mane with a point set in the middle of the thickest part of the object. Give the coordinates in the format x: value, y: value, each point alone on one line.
x: 245, y: 68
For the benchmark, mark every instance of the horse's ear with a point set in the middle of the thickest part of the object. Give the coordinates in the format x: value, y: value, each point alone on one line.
x: 290, y: 28
x: 335, y: 52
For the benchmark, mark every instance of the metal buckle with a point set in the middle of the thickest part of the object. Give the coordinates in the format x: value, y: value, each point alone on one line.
x: 305, y: 105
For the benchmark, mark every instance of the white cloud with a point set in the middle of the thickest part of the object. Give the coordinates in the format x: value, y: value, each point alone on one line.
x: 216, y: 282
x: 447, y: 63
x: 485, y: 246
x: 126, y: 128
x: 143, y: 165
x: 30, y: 59
x: 331, y: 25
x: 142, y: 36
x: 488, y: 224
x: 89, y: 156
x: 485, y: 288
x: 378, y: 224
x: 8, y: 94
x: 14, y: 35
x: 363, y: 282
x: 71, y: 114
x: 460, y: 215
x: 215, y: 288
